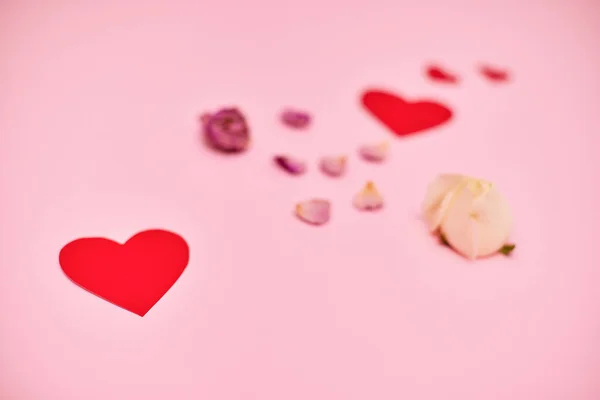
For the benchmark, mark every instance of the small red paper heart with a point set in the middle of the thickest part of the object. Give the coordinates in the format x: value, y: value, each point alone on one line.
x: 404, y: 117
x: 436, y: 73
x: 494, y: 74
x: 134, y: 275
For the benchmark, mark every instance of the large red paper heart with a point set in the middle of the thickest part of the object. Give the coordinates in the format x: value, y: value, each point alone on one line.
x: 134, y: 275
x: 404, y: 117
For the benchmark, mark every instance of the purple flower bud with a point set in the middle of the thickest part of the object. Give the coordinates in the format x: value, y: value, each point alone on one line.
x: 226, y: 130
x: 295, y: 119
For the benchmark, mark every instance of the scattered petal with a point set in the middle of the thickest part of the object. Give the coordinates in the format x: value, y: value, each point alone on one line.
x: 369, y: 198
x: 333, y: 166
x: 295, y: 118
x: 290, y: 164
x: 374, y: 153
x: 226, y: 130
x: 494, y: 74
x: 436, y: 73
x: 507, y: 249
x: 314, y: 211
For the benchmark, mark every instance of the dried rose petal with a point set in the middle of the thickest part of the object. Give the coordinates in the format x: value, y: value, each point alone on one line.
x: 333, y: 166
x: 368, y: 198
x: 314, y: 211
x: 290, y: 164
x: 295, y: 119
x: 374, y: 153
x: 226, y: 130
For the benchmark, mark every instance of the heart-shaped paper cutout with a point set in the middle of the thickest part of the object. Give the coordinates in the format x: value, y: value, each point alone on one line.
x: 134, y: 275
x: 404, y: 117
x: 439, y: 74
x: 494, y: 74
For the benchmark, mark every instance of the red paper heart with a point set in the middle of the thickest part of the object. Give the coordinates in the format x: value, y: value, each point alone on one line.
x: 134, y: 275
x: 404, y: 117
x: 494, y: 74
x: 436, y: 73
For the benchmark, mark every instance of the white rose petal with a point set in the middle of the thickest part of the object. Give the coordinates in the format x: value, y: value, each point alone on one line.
x: 438, y: 197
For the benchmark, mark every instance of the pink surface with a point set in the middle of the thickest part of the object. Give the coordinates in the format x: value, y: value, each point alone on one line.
x: 98, y: 137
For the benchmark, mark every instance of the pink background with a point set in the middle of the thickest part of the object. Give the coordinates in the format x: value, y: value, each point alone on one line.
x: 98, y: 136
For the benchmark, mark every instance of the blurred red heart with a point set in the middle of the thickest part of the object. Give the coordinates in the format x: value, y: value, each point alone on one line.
x: 404, y: 117
x: 494, y: 74
x: 439, y: 74
x: 134, y: 275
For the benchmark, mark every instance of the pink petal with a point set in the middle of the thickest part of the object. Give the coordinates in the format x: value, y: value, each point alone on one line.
x: 374, y: 152
x: 369, y: 198
x: 333, y: 166
x: 290, y: 164
x: 295, y: 118
x: 314, y: 211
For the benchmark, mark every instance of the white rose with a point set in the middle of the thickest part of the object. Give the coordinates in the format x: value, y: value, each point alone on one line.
x: 470, y: 214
